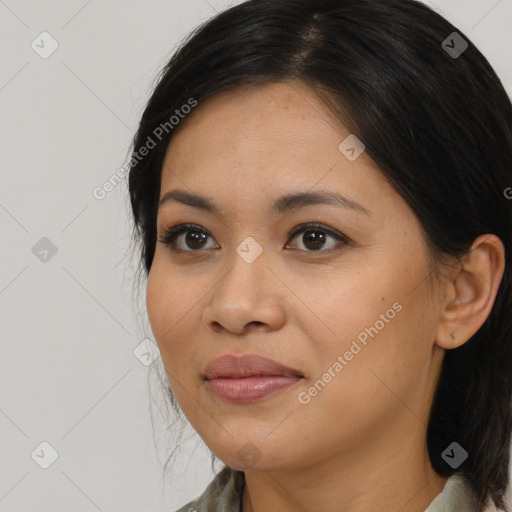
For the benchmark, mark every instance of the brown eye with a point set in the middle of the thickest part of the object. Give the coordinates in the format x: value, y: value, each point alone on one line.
x: 314, y: 237
x: 194, y: 239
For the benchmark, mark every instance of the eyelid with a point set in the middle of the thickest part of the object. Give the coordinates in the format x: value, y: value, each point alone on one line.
x: 321, y: 227
x: 173, y: 232
x: 170, y: 234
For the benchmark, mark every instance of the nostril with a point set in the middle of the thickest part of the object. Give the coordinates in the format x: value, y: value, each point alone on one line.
x: 216, y: 327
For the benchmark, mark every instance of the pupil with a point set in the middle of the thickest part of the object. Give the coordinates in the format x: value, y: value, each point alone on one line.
x: 195, y: 237
x: 317, y: 241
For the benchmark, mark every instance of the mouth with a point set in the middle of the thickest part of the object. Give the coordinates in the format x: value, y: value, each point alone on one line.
x: 249, y: 378
x: 249, y: 389
x: 239, y: 367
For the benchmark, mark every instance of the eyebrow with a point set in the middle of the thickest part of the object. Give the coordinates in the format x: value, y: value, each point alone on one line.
x: 279, y: 206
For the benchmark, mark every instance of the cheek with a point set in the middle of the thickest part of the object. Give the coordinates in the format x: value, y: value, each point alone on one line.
x: 345, y: 305
x: 155, y: 298
x: 166, y: 295
x: 162, y: 305
x: 164, y: 311
x: 372, y: 317
x: 385, y: 345
x: 172, y: 311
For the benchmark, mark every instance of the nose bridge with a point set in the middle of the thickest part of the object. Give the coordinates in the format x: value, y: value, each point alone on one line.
x: 246, y: 270
x: 241, y: 295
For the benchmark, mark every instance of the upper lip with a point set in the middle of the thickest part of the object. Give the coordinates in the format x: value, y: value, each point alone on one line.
x: 234, y: 367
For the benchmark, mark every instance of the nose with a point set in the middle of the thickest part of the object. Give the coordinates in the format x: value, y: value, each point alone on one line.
x: 247, y: 296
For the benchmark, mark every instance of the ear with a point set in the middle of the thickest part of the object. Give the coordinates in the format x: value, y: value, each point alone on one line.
x: 470, y: 292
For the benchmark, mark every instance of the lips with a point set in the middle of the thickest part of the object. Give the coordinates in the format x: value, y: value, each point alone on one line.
x: 239, y: 367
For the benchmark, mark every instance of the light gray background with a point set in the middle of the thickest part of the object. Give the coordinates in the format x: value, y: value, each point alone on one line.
x: 68, y: 372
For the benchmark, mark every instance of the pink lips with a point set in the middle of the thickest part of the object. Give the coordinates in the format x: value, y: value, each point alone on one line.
x: 248, y: 378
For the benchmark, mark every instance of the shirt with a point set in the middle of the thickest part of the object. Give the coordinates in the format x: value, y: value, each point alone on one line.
x: 224, y: 494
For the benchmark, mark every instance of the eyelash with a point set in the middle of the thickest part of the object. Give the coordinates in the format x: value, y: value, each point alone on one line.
x: 174, y: 231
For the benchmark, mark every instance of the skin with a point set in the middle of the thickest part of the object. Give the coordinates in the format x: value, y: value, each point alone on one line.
x: 361, y: 441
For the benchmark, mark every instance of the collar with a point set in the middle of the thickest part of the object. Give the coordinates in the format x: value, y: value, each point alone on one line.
x: 224, y: 494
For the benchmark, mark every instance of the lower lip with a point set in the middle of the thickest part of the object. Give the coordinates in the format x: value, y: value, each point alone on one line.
x: 249, y: 389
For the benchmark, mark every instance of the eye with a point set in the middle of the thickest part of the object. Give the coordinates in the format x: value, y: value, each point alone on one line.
x: 195, y: 237
x: 314, y: 237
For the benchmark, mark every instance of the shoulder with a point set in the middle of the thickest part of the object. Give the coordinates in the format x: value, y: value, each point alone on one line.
x: 456, y: 496
x: 224, y: 493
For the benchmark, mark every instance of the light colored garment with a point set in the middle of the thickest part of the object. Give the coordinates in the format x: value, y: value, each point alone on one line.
x: 455, y: 497
x: 224, y: 494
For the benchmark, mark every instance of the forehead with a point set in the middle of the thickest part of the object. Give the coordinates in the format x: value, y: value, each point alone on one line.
x: 253, y: 144
x: 259, y: 128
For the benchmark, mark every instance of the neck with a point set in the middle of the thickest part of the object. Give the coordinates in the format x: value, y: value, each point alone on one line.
x: 352, y: 482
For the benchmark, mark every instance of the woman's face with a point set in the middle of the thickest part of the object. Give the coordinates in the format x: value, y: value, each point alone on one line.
x: 357, y: 319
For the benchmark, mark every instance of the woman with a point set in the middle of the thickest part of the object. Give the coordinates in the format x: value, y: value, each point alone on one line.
x: 319, y: 191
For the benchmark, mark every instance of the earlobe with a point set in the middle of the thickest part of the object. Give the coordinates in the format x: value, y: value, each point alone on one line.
x: 472, y: 289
